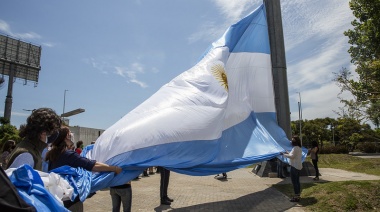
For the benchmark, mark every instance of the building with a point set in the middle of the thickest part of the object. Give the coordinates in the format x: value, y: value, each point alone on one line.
x: 87, y: 135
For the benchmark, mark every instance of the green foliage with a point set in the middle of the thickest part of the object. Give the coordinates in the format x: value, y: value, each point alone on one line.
x: 365, y: 54
x: 369, y: 147
x: 335, y: 135
x: 330, y: 149
x: 7, y: 132
x: 365, y: 36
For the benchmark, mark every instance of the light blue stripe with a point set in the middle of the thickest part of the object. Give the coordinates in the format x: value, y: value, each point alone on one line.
x: 249, y: 34
x: 238, y: 146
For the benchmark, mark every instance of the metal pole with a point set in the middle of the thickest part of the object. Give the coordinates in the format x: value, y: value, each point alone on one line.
x: 8, y: 99
x: 333, y: 127
x: 300, y: 115
x: 277, y: 49
x: 64, y: 101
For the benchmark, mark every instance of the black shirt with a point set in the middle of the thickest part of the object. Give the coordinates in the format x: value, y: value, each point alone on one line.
x: 73, y: 159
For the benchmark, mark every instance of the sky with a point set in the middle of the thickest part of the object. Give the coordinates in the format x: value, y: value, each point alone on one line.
x: 108, y: 57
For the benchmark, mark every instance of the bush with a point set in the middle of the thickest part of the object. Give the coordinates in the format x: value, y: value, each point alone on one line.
x: 368, y: 147
x: 339, y: 149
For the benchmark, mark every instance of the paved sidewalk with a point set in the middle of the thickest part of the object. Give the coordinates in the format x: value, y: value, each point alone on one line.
x: 242, y: 191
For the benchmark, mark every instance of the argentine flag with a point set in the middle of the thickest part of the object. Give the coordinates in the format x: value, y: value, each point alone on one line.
x: 215, y: 117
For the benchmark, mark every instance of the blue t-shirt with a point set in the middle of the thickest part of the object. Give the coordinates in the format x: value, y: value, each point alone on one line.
x: 71, y: 158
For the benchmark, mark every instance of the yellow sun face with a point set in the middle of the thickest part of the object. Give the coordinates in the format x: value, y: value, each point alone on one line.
x: 219, y: 73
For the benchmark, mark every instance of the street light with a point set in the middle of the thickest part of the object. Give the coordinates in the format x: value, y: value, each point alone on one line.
x: 332, y: 128
x: 28, y: 110
x: 64, y: 101
x: 300, y: 115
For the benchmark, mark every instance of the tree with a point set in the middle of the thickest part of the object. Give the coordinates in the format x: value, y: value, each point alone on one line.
x: 365, y: 54
x: 7, y: 131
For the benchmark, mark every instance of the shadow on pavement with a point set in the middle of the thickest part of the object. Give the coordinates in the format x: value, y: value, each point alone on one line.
x: 252, y: 202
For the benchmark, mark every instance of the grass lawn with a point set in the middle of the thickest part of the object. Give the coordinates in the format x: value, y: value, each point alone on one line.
x: 341, y: 196
x: 349, y: 163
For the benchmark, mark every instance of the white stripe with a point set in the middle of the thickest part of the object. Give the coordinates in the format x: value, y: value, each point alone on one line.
x: 250, y: 86
x: 194, y: 105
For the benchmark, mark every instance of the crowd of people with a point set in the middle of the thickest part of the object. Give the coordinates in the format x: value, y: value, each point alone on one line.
x: 48, y: 144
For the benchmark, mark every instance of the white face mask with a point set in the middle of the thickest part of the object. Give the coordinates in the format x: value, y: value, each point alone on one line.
x: 47, y: 138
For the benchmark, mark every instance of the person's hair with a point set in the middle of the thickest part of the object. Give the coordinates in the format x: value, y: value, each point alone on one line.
x: 41, y: 120
x: 59, y: 145
x: 79, y: 144
x: 314, y: 144
x: 9, y: 145
x: 296, y: 141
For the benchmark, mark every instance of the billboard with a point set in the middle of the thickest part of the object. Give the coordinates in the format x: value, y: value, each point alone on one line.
x: 23, y: 58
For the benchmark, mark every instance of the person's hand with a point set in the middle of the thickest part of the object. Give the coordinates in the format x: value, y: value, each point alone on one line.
x: 117, y: 170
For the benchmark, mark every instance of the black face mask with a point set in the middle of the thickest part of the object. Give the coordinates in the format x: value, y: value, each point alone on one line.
x: 53, y: 137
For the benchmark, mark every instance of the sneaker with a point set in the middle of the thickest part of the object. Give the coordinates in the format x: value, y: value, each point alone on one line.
x: 295, y: 199
x: 316, y: 178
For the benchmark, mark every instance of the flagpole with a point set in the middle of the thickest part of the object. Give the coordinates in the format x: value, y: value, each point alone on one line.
x: 277, y: 49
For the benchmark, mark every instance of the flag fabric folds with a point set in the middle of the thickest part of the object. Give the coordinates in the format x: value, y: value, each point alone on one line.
x: 215, y: 117
x: 30, y: 187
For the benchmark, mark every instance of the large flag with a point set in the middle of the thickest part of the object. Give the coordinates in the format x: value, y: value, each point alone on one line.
x: 215, y: 117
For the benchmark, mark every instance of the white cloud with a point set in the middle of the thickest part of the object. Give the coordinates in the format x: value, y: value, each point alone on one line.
x: 27, y: 35
x: 47, y: 44
x: 137, y: 67
x: 317, y: 103
x: 131, y: 73
x: 209, y: 31
x: 4, y: 26
x: 155, y: 70
x: 319, y: 66
x: 231, y: 10
x: 315, y: 49
x: 305, y: 19
x: 120, y: 71
x: 100, y: 65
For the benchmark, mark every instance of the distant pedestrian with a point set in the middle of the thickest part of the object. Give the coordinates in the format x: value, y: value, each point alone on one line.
x: 314, y: 158
x: 7, y: 149
x: 295, y: 163
x: 164, y: 183
x: 79, y: 147
x: 121, y: 194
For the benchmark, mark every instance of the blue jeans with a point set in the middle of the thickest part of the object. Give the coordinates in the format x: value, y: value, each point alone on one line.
x: 121, y: 195
x: 295, y: 177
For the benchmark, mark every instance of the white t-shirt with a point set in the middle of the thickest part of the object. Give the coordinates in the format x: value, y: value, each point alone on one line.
x: 21, y: 159
x: 295, y: 157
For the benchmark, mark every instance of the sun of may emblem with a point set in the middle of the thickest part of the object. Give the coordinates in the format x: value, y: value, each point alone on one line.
x: 218, y: 71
